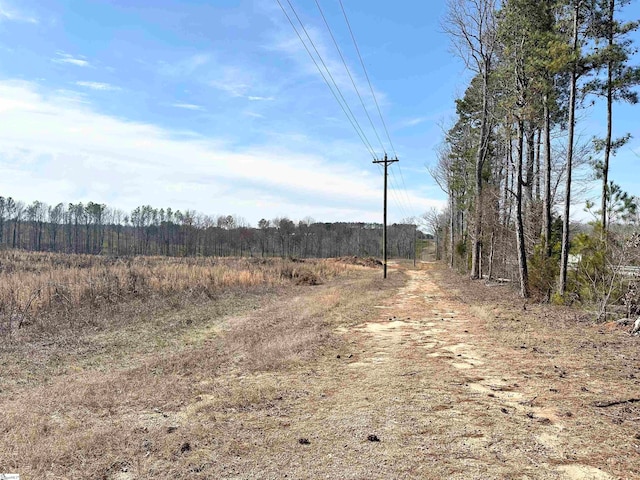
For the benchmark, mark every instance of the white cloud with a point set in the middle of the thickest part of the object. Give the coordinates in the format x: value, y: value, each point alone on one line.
x: 287, y: 43
x: 72, y: 96
x: 412, y: 122
x: 232, y: 80
x: 259, y: 99
x: 238, y: 81
x: 10, y: 14
x: 98, y: 86
x: 188, y: 106
x: 79, y: 61
x: 83, y: 155
x: 187, y: 66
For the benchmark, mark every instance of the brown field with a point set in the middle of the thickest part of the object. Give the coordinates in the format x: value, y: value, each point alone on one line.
x: 49, y: 289
x: 308, y: 370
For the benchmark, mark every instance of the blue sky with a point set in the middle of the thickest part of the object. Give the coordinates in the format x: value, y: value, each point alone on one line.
x: 214, y: 105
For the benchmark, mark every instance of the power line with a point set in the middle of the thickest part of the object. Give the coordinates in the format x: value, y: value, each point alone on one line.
x: 350, y: 76
x: 328, y: 72
x: 394, y: 192
x: 344, y: 105
x: 354, y: 122
x: 404, y: 187
x: 395, y: 195
x: 335, y: 84
x: 367, y: 77
x: 396, y: 187
x: 384, y: 124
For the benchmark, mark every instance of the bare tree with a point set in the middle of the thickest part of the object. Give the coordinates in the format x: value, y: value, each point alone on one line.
x: 471, y: 26
x: 436, y: 222
x: 442, y: 173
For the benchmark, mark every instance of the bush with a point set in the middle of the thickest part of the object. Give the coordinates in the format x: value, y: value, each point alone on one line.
x: 543, y: 271
x: 600, y: 277
x: 592, y: 272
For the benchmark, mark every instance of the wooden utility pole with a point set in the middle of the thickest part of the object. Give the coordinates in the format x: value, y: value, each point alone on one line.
x: 415, y: 245
x: 386, y: 162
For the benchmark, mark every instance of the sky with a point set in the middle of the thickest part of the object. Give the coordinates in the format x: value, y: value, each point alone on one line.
x: 215, y: 106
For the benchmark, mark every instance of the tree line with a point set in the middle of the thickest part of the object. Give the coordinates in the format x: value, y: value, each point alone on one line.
x: 95, y: 228
x: 513, y: 165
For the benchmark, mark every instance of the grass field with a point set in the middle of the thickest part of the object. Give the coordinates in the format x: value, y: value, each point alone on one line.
x: 47, y: 292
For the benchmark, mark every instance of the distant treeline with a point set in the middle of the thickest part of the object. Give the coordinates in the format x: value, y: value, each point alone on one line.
x: 95, y: 228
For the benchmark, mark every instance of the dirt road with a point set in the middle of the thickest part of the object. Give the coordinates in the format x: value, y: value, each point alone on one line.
x: 422, y: 390
x: 423, y: 379
x: 466, y: 412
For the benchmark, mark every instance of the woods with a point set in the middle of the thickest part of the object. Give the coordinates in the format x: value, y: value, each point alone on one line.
x: 514, y: 168
x: 95, y: 228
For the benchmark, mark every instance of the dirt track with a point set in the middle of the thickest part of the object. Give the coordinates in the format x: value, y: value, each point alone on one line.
x: 426, y: 379
x: 443, y: 403
x: 465, y: 412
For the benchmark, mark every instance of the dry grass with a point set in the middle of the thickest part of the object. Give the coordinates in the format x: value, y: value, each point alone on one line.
x: 175, y: 302
x: 46, y: 290
x: 457, y: 381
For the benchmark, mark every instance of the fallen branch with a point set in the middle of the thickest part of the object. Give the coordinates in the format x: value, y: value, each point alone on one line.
x: 616, y: 402
x: 25, y: 311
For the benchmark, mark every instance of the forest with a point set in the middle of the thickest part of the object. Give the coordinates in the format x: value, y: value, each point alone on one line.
x: 95, y: 228
x: 515, y: 169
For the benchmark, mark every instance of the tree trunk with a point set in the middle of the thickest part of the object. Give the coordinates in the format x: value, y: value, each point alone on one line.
x: 607, y: 146
x: 531, y: 141
x: 480, y: 157
x: 511, y: 184
x: 547, y: 176
x: 505, y: 190
x: 531, y: 220
x: 567, y: 201
x: 536, y: 173
x: 452, y: 226
x: 491, y: 251
x: 522, y: 254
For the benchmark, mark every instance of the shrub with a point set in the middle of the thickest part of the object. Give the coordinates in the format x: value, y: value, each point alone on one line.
x: 600, y: 277
x: 543, y: 271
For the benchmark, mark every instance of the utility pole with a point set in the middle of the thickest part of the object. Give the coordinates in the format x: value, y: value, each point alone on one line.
x: 386, y: 162
x: 415, y: 245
